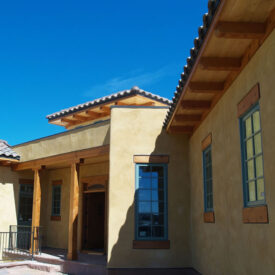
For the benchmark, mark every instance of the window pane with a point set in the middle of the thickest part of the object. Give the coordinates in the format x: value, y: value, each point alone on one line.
x: 248, y: 127
x: 144, y: 207
x: 157, y: 171
x: 258, y: 143
x: 157, y: 183
x: 259, y: 166
x: 249, y: 149
x: 145, y: 183
x: 144, y: 231
x: 250, y: 169
x: 157, y: 195
x: 144, y: 195
x: 144, y: 219
x: 158, y: 219
x: 260, y: 189
x: 208, y: 172
x: 145, y: 171
x: 157, y: 207
x: 252, y: 191
x: 158, y: 232
x: 256, y: 121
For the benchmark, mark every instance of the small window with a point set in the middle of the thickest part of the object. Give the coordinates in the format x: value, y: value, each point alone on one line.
x: 252, y: 157
x: 151, y: 201
x: 207, y: 180
x: 56, y: 200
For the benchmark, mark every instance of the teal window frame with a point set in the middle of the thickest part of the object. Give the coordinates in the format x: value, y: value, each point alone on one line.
x: 55, y: 189
x: 138, y: 202
x: 208, y: 179
x: 245, y: 160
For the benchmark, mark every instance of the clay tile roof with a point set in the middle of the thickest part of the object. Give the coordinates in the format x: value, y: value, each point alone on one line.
x: 6, y: 151
x: 133, y: 91
x: 202, y: 31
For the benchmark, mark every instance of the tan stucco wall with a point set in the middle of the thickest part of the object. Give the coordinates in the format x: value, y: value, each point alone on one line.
x: 229, y: 246
x: 139, y: 131
x: 74, y: 140
x: 9, y: 196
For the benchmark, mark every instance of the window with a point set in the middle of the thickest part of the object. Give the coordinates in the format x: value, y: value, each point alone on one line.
x: 252, y: 157
x: 207, y: 179
x: 56, y: 200
x: 151, y: 201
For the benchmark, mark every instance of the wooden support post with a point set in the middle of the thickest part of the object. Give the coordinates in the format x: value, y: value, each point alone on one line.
x: 36, y: 211
x: 73, y: 214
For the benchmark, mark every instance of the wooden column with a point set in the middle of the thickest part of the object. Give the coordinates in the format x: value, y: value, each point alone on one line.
x: 73, y: 214
x: 36, y: 209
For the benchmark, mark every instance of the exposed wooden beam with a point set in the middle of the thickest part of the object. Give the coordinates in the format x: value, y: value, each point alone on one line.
x: 105, y: 109
x: 206, y: 87
x: 92, y: 114
x: 36, y: 210
x: 187, y: 118
x: 150, y: 103
x: 220, y: 63
x: 120, y: 103
x: 80, y: 118
x: 63, y: 158
x: 9, y: 160
x: 196, y: 104
x: 73, y: 212
x: 67, y: 120
x: 241, y: 30
x: 181, y: 129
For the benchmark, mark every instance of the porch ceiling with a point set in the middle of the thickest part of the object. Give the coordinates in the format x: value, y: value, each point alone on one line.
x: 232, y: 33
x: 87, y: 156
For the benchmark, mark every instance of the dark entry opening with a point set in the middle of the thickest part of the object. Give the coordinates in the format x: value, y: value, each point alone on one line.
x: 93, y: 221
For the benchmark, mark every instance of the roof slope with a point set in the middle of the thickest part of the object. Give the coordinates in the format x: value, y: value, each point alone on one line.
x: 202, y: 31
x: 7, y: 152
x: 119, y: 95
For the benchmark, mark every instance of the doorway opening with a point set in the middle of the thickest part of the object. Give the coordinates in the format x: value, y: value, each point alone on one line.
x: 93, y: 235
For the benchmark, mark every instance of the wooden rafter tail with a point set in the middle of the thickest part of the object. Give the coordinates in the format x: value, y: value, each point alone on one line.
x: 206, y: 87
x: 80, y: 118
x: 241, y: 30
x: 220, y: 63
x: 104, y: 109
x: 181, y: 129
x: 196, y: 104
x: 187, y: 118
x: 67, y: 120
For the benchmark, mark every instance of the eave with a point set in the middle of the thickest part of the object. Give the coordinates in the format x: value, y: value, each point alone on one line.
x: 231, y: 36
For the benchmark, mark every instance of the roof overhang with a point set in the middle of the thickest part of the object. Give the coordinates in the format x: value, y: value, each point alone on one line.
x: 100, y: 109
x: 233, y: 31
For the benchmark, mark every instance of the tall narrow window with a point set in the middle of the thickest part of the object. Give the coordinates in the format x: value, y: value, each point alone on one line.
x: 56, y: 200
x: 151, y: 201
x: 207, y: 180
x: 252, y: 157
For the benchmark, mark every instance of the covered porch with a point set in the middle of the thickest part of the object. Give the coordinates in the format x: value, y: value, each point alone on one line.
x: 69, y: 200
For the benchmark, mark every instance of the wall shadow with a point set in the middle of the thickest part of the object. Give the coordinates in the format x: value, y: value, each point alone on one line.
x: 122, y: 251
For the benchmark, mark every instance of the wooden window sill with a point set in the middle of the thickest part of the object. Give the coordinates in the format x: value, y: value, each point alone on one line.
x: 257, y: 214
x: 209, y: 217
x: 55, y: 218
x: 151, y: 244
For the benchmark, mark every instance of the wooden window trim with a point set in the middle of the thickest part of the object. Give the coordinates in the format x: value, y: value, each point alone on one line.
x: 151, y: 159
x: 55, y: 218
x: 209, y: 217
x: 56, y: 182
x: 251, y: 98
x: 258, y: 214
x: 206, y: 141
x: 151, y: 244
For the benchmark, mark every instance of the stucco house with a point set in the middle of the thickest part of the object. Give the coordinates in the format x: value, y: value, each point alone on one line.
x: 158, y: 183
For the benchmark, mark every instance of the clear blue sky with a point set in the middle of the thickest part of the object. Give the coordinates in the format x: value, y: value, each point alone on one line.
x: 57, y: 54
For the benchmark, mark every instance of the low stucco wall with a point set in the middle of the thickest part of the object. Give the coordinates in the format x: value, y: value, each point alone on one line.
x: 229, y: 246
x: 139, y: 131
x: 82, y: 138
